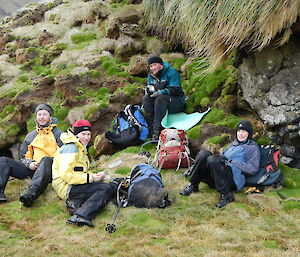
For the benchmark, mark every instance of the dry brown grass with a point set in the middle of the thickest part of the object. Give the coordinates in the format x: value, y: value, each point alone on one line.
x: 215, y: 28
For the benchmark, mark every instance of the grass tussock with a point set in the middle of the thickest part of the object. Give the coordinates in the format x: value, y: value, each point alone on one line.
x: 215, y: 28
x: 255, y: 225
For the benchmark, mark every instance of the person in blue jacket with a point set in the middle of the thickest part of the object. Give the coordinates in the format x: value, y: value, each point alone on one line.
x: 226, y: 172
x: 163, y: 92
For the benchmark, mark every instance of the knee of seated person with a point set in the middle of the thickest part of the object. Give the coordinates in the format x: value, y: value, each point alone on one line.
x: 4, y: 160
x: 146, y: 99
x: 47, y: 160
x: 212, y: 159
x: 203, y: 153
x: 161, y: 99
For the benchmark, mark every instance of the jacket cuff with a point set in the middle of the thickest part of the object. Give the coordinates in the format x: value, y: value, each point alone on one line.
x: 165, y: 91
x: 89, y: 178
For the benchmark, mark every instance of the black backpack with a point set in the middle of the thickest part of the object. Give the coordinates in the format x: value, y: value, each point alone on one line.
x: 269, y: 173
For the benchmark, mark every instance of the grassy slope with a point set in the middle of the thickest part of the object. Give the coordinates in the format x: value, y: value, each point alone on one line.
x: 255, y: 225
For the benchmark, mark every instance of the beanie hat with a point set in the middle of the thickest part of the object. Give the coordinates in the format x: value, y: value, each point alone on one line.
x: 245, y: 125
x: 81, y: 125
x: 46, y: 107
x: 154, y: 59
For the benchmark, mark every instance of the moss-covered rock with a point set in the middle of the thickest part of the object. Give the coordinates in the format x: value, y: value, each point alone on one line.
x: 138, y: 65
x: 155, y: 45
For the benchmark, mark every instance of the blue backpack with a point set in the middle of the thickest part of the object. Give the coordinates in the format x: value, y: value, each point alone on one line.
x: 129, y: 127
x: 144, y: 188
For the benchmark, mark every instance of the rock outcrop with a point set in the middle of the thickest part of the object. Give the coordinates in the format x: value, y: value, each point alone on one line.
x: 270, y: 81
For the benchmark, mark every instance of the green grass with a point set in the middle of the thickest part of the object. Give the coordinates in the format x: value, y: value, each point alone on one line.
x: 255, y: 225
x: 83, y: 37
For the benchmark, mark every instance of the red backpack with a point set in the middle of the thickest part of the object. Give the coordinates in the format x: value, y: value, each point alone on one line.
x: 172, y: 150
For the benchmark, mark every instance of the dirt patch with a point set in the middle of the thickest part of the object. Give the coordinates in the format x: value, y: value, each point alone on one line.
x: 208, y: 131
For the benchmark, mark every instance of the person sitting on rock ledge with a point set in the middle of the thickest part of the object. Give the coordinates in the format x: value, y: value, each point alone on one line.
x: 226, y: 172
x: 163, y: 92
x: 36, y: 154
x: 83, y: 191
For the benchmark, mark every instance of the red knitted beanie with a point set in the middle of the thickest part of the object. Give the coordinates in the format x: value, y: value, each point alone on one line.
x: 81, y: 125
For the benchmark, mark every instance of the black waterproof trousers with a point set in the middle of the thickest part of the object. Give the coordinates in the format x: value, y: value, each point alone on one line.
x: 156, y: 107
x: 90, y: 199
x: 41, y: 177
x: 212, y: 170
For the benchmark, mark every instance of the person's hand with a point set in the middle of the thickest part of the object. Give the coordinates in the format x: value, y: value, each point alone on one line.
x: 156, y: 93
x: 33, y: 165
x: 150, y: 90
x: 98, y: 177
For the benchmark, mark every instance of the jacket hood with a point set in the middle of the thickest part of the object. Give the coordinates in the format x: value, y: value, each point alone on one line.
x: 166, y: 66
x: 68, y: 137
x: 247, y: 142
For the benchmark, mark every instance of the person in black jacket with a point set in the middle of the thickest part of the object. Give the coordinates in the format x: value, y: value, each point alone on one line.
x: 36, y: 153
x: 226, y: 172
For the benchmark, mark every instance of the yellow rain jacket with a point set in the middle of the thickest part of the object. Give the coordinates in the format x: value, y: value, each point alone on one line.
x: 70, y: 165
x: 40, y: 143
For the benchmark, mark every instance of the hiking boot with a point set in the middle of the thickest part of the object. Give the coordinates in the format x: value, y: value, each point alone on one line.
x: 27, y: 199
x: 189, y: 189
x: 2, y: 197
x: 71, y: 206
x: 155, y: 136
x: 80, y: 221
x: 225, y: 199
x: 156, y: 132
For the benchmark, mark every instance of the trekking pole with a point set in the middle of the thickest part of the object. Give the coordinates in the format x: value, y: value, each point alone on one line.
x: 148, y: 154
x: 111, y: 227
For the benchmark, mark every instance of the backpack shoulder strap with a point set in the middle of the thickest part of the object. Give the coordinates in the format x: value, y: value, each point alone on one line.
x: 130, y: 109
x: 273, y: 159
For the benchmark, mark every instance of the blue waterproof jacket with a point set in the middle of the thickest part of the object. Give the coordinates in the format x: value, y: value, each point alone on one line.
x: 245, y: 159
x: 172, y: 78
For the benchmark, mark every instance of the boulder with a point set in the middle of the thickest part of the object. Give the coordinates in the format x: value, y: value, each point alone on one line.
x: 138, y: 65
x: 107, y: 44
x: 22, y: 43
x: 103, y: 146
x: 270, y: 82
x: 32, y: 14
x: 154, y: 45
x: 46, y: 38
x: 26, y: 54
x: 67, y: 84
x: 4, y: 39
x: 132, y: 30
x: 127, y: 46
x: 129, y: 14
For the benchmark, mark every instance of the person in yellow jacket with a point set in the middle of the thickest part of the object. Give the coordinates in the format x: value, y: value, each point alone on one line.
x: 36, y: 153
x: 83, y: 191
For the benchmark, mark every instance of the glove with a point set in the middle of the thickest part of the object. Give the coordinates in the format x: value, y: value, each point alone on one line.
x: 117, y: 181
x: 156, y: 93
x: 150, y: 90
x: 160, y: 85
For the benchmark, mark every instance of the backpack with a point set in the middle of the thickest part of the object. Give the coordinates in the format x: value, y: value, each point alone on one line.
x: 172, y: 150
x: 129, y: 127
x: 143, y: 188
x: 269, y: 173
